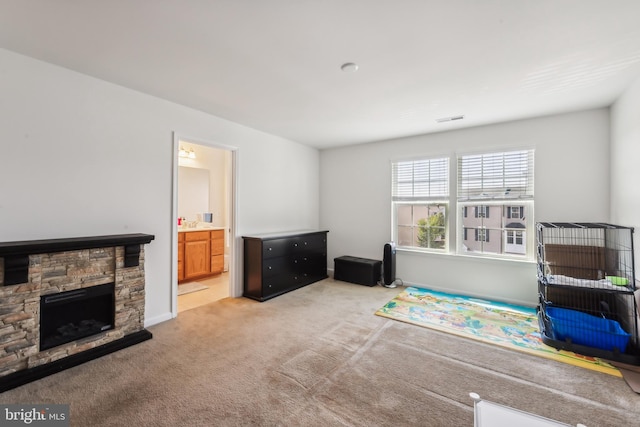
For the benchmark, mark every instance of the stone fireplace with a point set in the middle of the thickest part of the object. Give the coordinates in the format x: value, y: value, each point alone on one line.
x: 67, y: 301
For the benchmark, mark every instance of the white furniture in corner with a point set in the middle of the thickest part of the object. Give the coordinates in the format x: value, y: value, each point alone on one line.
x: 489, y: 414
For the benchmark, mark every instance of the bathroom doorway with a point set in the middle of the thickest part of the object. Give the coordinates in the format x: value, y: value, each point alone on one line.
x: 204, y: 223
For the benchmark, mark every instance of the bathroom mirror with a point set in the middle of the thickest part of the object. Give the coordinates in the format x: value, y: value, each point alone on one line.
x: 193, y: 192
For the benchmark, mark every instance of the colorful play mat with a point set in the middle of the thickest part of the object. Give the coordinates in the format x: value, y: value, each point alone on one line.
x: 510, y: 326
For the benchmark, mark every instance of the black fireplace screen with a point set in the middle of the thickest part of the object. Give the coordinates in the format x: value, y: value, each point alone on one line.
x: 71, y: 315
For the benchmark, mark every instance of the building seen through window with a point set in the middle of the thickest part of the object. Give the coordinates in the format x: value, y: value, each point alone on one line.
x: 495, y: 229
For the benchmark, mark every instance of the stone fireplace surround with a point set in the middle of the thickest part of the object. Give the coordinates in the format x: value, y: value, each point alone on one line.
x: 31, y: 269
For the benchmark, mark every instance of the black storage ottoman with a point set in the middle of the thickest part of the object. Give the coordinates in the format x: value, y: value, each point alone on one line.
x: 362, y: 271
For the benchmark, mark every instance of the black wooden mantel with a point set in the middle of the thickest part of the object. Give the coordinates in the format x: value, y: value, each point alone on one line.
x: 32, y: 247
x: 16, y: 254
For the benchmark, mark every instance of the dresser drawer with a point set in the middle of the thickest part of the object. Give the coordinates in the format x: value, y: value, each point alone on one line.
x: 291, y: 245
x: 277, y: 247
x: 276, y: 266
x: 312, y: 243
x: 310, y: 264
x: 282, y: 283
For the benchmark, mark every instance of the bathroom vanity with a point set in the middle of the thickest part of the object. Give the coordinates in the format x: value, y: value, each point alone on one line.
x: 200, y: 253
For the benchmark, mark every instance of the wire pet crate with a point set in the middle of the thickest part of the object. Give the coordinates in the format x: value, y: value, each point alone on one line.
x: 587, y: 289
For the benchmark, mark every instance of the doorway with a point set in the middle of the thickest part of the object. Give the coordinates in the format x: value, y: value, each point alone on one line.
x: 204, y: 200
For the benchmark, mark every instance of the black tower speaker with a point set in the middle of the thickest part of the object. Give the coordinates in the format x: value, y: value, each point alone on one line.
x: 389, y: 265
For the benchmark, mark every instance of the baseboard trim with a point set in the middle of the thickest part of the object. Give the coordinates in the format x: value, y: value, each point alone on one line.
x: 25, y: 376
x: 158, y: 319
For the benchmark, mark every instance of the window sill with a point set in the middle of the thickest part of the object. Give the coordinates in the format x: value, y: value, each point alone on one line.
x: 481, y: 258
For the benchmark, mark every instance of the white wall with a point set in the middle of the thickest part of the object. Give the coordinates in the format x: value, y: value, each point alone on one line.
x: 625, y: 167
x: 83, y: 157
x: 572, y: 184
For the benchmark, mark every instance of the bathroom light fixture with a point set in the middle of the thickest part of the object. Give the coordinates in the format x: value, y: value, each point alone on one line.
x: 187, y: 154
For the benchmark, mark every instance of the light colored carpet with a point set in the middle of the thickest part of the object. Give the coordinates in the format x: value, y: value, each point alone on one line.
x: 190, y: 287
x: 319, y: 356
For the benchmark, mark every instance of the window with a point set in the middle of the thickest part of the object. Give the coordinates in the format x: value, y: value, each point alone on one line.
x: 515, y: 237
x: 482, y: 235
x: 499, y: 189
x: 481, y: 211
x: 421, y: 225
x: 493, y: 203
x: 420, y: 198
x: 515, y: 212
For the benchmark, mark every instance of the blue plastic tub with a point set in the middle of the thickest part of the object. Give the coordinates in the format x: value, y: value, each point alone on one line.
x: 585, y: 329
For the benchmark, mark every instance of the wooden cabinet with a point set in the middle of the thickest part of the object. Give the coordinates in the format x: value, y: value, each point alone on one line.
x: 196, y: 254
x: 180, y: 257
x: 200, y: 254
x: 275, y: 264
x: 217, y: 251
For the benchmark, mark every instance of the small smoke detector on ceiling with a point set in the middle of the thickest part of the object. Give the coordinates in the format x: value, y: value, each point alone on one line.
x: 349, y: 67
x: 449, y: 119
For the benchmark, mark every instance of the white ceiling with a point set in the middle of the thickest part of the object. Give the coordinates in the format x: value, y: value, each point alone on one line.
x: 274, y: 65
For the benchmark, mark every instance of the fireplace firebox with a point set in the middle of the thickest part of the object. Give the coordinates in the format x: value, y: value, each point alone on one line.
x: 72, y: 315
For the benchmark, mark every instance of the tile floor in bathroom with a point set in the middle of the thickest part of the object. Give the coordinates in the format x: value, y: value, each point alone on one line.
x: 218, y: 289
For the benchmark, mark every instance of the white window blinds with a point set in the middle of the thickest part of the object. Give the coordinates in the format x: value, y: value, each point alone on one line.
x: 415, y: 180
x: 504, y: 175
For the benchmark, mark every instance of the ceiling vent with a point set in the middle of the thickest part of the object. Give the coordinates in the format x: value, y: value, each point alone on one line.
x: 449, y: 119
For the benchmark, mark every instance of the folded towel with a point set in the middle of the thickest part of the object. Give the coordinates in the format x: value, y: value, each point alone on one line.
x: 559, y: 279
